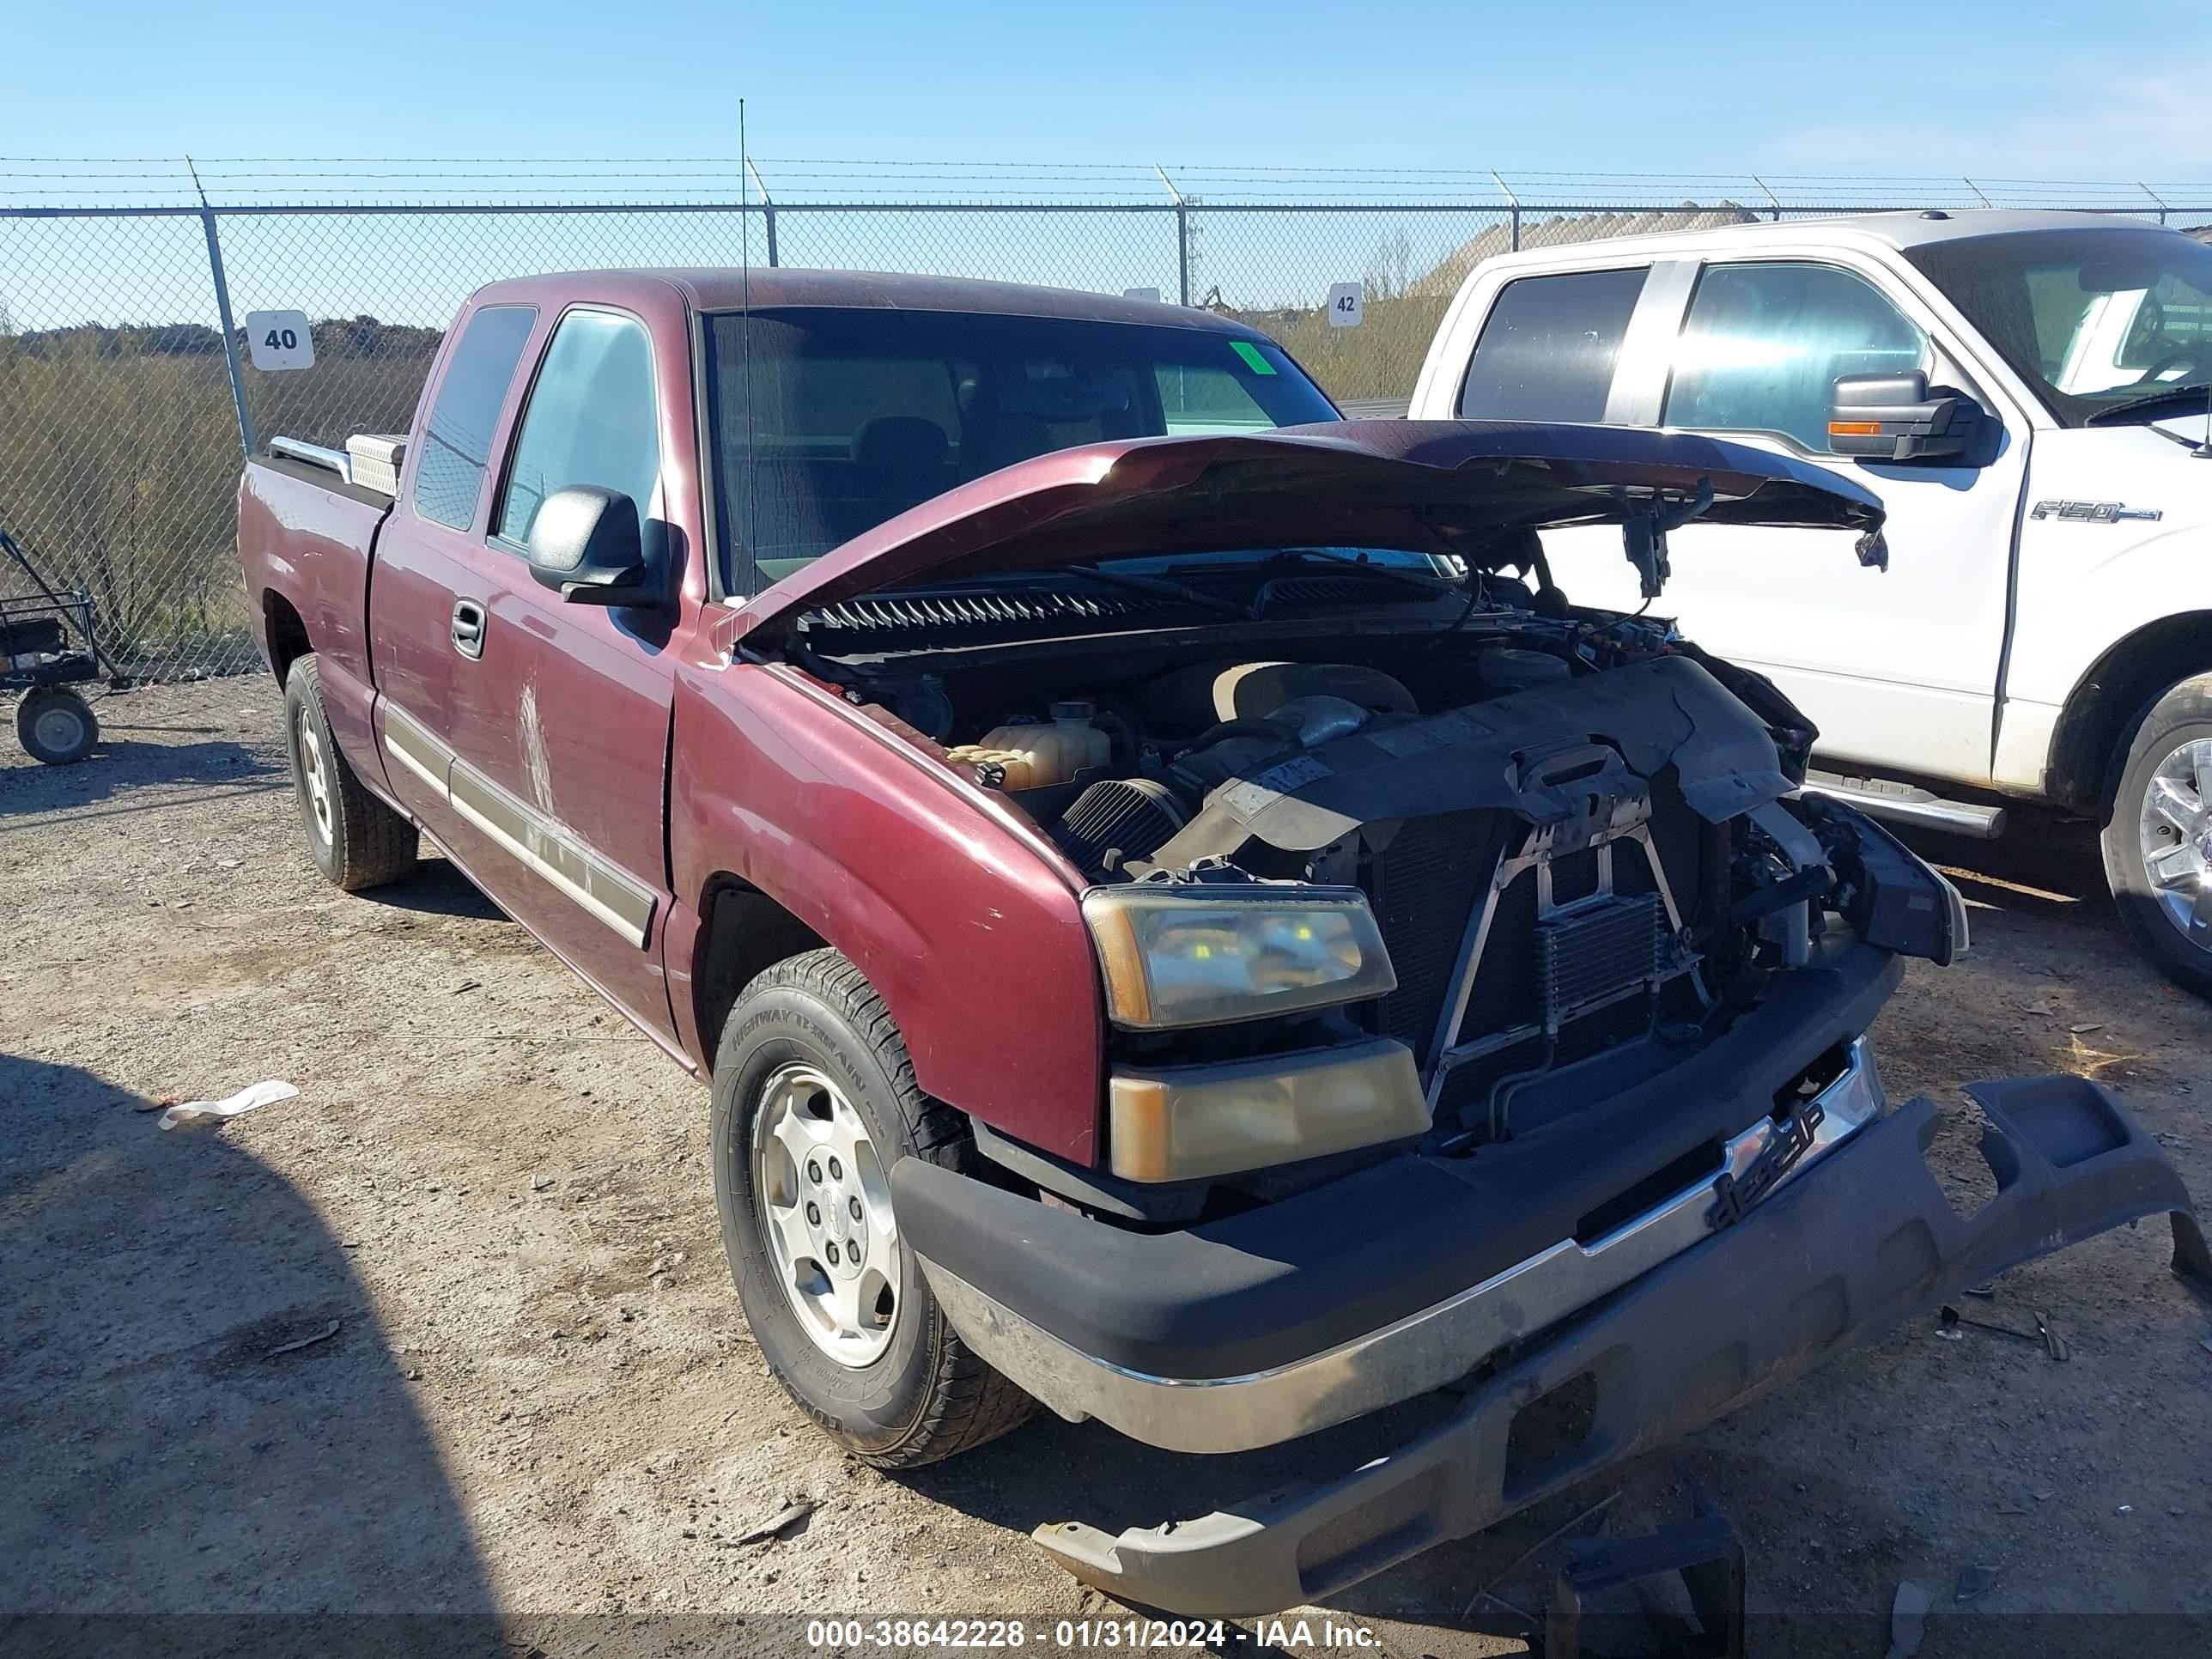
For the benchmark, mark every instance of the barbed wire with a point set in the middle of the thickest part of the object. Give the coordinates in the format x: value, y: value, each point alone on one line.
x: 35, y: 182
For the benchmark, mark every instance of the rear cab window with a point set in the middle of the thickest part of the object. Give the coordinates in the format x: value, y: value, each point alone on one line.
x: 1548, y: 347
x: 457, y: 439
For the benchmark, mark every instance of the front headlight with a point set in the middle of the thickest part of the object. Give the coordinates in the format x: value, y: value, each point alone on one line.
x: 1189, y: 955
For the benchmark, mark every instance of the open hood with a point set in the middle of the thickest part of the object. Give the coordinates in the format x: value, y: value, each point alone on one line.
x: 1345, y: 483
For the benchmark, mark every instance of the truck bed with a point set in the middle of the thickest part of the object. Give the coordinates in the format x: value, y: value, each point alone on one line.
x: 306, y: 540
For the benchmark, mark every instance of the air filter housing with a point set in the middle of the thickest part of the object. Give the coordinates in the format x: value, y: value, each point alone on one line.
x: 1114, y: 820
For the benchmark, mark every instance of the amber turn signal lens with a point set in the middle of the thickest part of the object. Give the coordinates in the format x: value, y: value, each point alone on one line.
x: 1854, y: 429
x: 1181, y: 1122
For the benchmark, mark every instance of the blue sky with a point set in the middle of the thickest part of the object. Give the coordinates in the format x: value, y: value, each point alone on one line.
x: 1371, y: 92
x: 2035, y: 90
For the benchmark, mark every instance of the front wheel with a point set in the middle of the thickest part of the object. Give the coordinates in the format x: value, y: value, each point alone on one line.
x: 2158, y: 835
x: 56, y: 727
x: 814, y: 1102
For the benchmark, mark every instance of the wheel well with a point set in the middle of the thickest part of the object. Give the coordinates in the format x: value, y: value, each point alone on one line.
x: 287, y: 635
x: 2086, y: 752
x: 741, y: 932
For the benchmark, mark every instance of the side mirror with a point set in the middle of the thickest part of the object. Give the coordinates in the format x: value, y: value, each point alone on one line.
x: 586, y: 542
x: 1892, y: 417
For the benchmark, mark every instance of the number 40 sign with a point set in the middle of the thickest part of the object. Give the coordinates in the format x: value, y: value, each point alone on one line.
x: 279, y: 339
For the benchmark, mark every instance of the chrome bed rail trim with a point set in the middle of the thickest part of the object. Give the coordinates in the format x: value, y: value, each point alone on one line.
x: 298, y: 449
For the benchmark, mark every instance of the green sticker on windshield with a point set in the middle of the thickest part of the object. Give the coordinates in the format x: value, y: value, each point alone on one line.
x: 1253, y: 360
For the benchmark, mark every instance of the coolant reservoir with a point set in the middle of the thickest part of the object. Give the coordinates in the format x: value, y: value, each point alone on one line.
x: 1036, y: 753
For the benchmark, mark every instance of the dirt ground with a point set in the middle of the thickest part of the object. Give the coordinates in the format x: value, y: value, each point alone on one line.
x: 540, y: 1409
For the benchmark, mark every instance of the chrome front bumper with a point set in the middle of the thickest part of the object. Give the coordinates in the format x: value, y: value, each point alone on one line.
x: 1408, y: 1358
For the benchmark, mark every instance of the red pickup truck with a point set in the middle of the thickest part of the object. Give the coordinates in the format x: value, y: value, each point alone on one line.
x: 1183, y: 921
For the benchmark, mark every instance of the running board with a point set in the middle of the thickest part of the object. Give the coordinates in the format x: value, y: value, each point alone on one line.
x: 1902, y: 803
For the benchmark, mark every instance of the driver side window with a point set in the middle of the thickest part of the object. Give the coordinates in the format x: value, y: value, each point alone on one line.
x: 592, y: 419
x: 1763, y: 344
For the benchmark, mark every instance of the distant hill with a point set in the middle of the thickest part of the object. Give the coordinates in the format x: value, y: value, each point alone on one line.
x: 335, y: 337
x: 1444, y: 277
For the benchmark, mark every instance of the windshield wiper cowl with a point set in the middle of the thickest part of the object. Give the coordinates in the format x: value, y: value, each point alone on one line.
x: 2173, y: 400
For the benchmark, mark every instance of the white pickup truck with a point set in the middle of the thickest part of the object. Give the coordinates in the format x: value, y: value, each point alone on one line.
x: 2028, y: 394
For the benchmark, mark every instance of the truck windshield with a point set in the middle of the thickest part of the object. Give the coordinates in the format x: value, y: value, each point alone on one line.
x: 2091, y: 319
x: 827, y: 421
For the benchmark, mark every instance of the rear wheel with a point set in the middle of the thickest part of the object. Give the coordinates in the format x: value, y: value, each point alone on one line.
x: 353, y: 838
x: 2158, y: 835
x: 814, y: 1102
x: 56, y: 725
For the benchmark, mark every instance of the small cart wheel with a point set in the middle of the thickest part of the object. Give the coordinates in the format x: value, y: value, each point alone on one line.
x: 56, y: 727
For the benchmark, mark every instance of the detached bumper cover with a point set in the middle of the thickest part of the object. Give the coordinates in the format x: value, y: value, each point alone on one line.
x: 1864, y: 1240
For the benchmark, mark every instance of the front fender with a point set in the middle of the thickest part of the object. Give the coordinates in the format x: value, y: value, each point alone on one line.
x: 973, y: 938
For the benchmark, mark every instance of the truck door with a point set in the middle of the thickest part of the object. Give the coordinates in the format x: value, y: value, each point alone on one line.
x: 426, y: 592
x: 566, y: 750
x: 1898, y: 668
x: 554, y: 736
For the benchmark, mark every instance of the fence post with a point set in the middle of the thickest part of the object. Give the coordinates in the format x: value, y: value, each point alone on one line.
x: 2154, y: 196
x: 1774, y: 208
x: 1514, y: 202
x: 1182, y: 252
x: 1183, y: 236
x: 767, y: 209
x: 223, y: 312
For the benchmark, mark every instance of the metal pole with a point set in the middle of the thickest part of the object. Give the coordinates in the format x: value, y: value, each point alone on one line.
x: 222, y: 311
x: 1182, y: 253
x: 2154, y: 196
x: 1977, y: 189
x: 767, y: 209
x: 1515, y: 201
x: 1775, y: 206
x: 1183, y: 236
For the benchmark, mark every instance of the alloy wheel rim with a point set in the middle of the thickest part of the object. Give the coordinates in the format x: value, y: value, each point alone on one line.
x: 825, y: 1215
x: 2175, y: 828
x: 314, y: 773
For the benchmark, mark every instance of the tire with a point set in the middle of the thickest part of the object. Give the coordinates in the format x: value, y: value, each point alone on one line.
x: 353, y: 838
x: 924, y: 1396
x: 56, y: 727
x: 2157, y: 835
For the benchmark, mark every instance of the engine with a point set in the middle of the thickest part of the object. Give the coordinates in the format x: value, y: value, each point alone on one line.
x: 1570, y: 836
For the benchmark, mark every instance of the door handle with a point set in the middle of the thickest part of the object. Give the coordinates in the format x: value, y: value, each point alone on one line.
x: 468, y: 627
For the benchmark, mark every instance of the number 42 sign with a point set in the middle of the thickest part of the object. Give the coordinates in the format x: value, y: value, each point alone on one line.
x: 279, y: 339
x: 1346, y: 303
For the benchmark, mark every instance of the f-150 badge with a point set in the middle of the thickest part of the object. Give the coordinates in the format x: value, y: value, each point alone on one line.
x: 2090, y: 512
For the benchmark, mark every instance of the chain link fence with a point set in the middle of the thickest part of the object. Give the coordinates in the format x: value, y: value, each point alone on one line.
x: 121, y: 424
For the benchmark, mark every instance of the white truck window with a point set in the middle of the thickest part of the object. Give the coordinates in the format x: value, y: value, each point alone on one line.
x: 1763, y: 344
x: 1547, y: 348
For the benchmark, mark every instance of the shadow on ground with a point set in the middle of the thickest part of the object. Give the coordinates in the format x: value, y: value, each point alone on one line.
x: 121, y: 764
x: 194, y: 1461
x: 437, y: 889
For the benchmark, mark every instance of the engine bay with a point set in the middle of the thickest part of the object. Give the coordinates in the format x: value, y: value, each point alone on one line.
x: 1570, y: 825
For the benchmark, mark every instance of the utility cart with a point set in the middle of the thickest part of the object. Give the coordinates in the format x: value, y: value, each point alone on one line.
x: 47, y: 648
